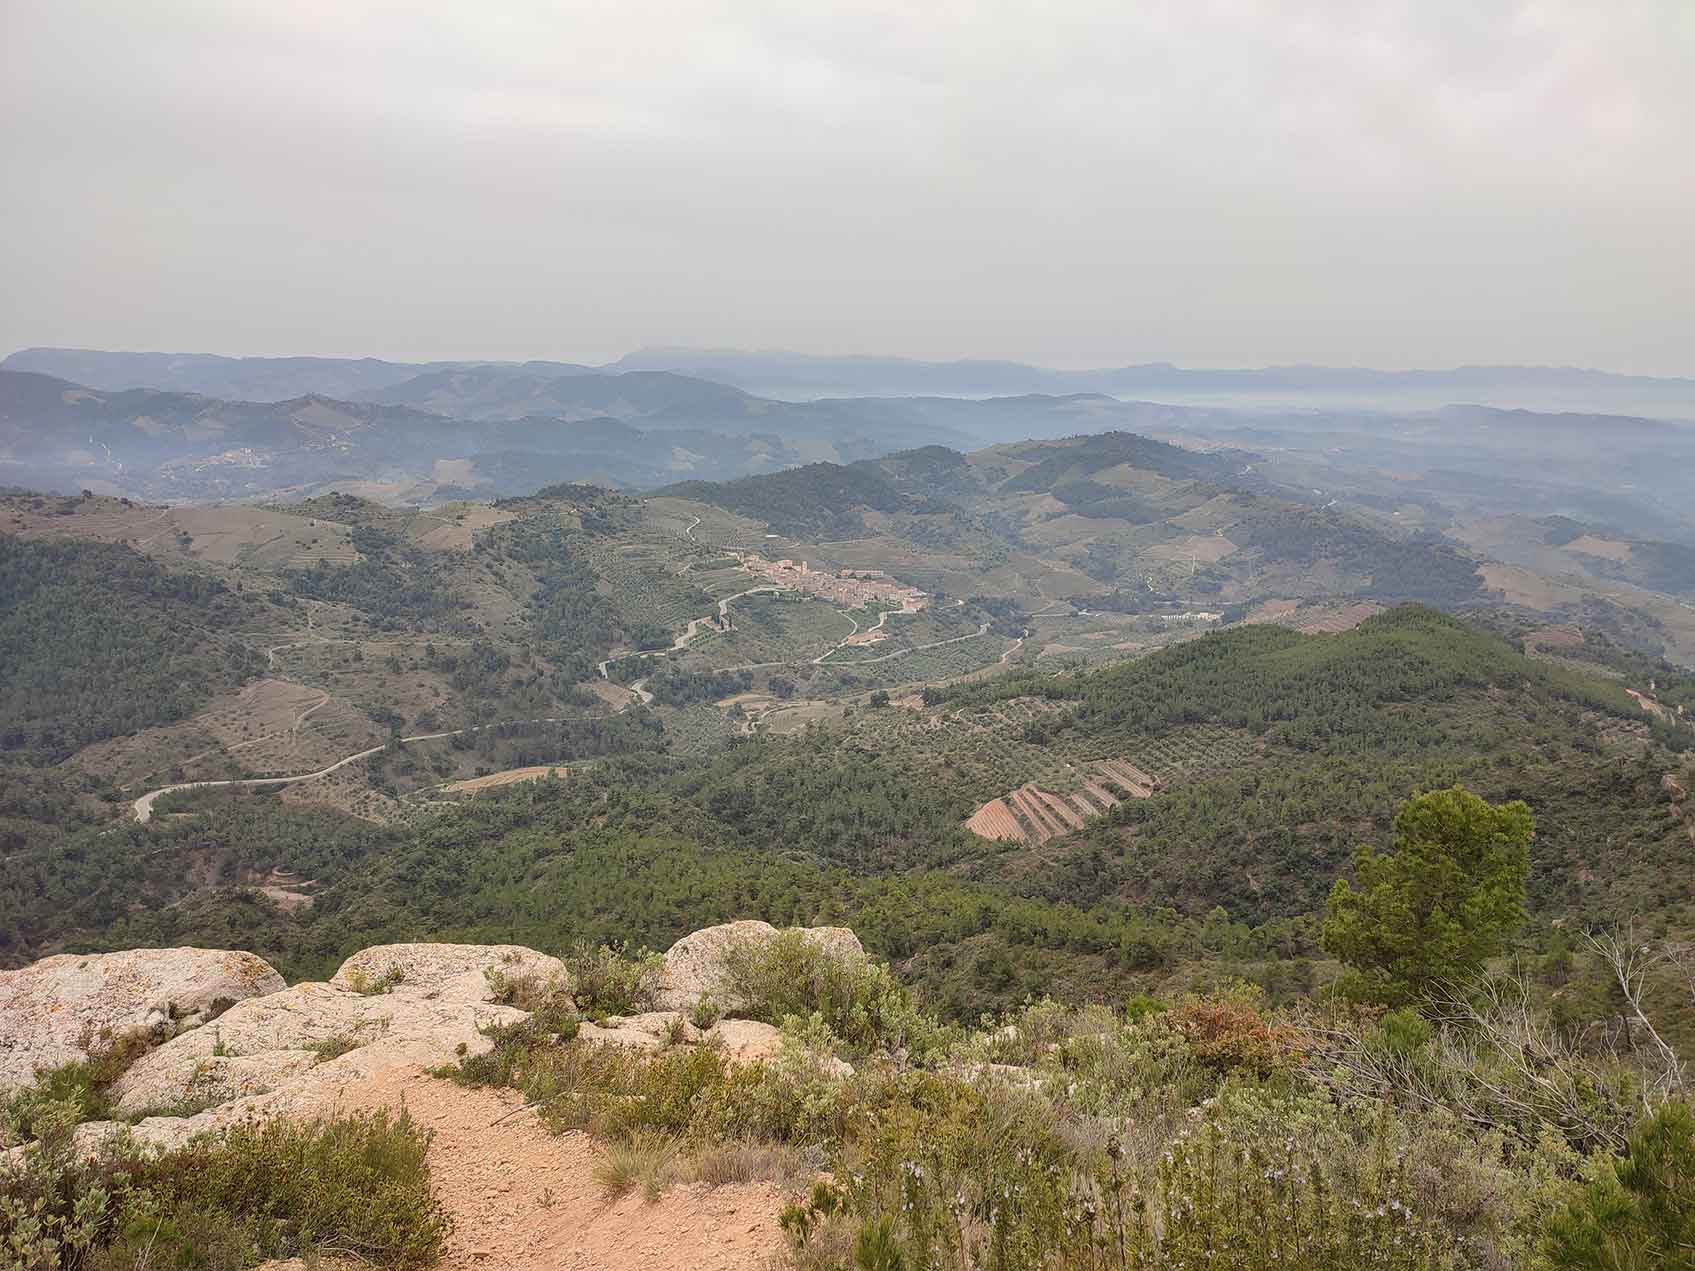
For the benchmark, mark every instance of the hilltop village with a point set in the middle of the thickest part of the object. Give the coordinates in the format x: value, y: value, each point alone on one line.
x: 850, y: 588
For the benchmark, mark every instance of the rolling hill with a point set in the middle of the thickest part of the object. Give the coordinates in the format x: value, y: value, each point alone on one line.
x: 1141, y: 523
x: 158, y: 444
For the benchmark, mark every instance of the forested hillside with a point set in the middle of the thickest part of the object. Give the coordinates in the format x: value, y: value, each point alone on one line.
x: 822, y: 500
x: 1344, y: 724
x: 97, y: 641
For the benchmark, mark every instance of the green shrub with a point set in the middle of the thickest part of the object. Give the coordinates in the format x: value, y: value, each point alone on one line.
x: 81, y: 1083
x: 282, y: 1189
x: 374, y: 986
x: 357, y: 1184
x: 1640, y: 1213
x: 706, y: 1013
x: 645, y: 1159
x: 608, y: 981
x: 515, y: 1047
x: 860, y: 1000
x: 333, y: 1047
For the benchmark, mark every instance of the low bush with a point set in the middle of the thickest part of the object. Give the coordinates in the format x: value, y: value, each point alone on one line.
x: 860, y: 1000
x: 644, y: 1160
x: 607, y: 981
x: 355, y: 1185
x: 82, y: 1083
x: 333, y: 1047
x: 706, y: 1014
x: 375, y: 985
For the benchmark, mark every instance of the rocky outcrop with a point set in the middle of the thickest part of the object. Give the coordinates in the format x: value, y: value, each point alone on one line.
x: 742, y: 1041
x: 53, y: 1011
x: 269, y: 1044
x: 697, y: 967
x: 230, y: 1041
x: 650, y: 1030
x: 449, y: 972
x: 747, y: 1040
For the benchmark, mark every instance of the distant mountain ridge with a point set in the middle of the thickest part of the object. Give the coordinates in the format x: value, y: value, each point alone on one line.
x: 252, y: 379
x: 788, y: 375
x: 185, y: 446
x: 778, y: 372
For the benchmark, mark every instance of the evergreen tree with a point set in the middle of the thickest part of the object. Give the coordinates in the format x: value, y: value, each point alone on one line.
x: 1448, y: 896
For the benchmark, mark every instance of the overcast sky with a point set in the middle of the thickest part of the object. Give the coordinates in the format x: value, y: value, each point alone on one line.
x: 1075, y: 182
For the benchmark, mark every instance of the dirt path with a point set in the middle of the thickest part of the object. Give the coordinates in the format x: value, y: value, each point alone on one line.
x: 523, y: 1199
x: 144, y: 805
x: 294, y: 727
x: 688, y: 635
x: 901, y: 653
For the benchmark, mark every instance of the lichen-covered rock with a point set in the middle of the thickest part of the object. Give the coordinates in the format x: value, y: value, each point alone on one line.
x: 650, y: 1030
x: 746, y: 1040
x: 447, y: 972
x: 743, y: 1041
x: 697, y: 966
x: 290, y: 1042
x: 51, y: 1011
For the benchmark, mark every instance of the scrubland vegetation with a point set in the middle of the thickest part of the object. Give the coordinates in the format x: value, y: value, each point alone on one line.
x: 1286, y: 1012
x: 354, y: 1187
x: 1461, y: 1130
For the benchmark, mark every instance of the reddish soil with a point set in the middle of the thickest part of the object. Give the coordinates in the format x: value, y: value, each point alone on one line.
x: 1648, y: 704
x: 1028, y: 803
x: 537, y: 772
x: 994, y: 820
x: 1127, y: 777
x: 1030, y: 814
x: 1344, y: 619
x: 523, y: 1199
x: 1061, y: 809
x: 1101, y: 795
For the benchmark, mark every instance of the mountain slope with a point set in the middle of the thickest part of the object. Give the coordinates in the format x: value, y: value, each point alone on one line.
x: 1544, y: 388
x: 254, y: 379
x: 97, y: 641
x: 1142, y: 523
x: 156, y: 444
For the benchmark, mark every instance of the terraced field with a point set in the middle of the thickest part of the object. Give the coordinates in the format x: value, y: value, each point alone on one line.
x: 704, y: 524
x: 643, y: 584
x: 1031, y: 814
x: 769, y: 629
x: 921, y: 666
x: 1032, y: 790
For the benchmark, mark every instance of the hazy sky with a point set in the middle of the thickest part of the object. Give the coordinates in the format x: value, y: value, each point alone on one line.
x: 1077, y: 182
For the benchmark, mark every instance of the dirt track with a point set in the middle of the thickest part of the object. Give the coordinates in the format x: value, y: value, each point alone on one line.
x: 144, y: 805
x: 523, y: 1199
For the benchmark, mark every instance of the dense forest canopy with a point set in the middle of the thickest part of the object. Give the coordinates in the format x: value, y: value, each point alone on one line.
x: 97, y: 641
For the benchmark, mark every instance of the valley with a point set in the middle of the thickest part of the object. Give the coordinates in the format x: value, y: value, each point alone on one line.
x: 1049, y: 726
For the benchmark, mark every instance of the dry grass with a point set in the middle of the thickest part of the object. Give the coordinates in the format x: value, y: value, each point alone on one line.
x: 647, y: 1161
x: 789, y: 1167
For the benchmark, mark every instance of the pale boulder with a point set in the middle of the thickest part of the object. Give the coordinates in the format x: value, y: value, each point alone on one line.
x: 52, y: 1010
x: 746, y: 1041
x: 283, y: 1045
x: 446, y: 972
x: 651, y: 1030
x: 698, y: 966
